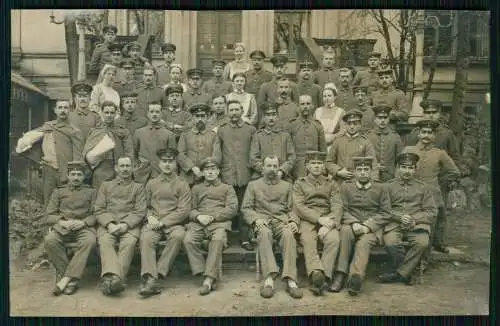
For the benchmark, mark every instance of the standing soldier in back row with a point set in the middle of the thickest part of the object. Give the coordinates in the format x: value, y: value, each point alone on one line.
x: 387, y: 94
x: 163, y: 70
x: 269, y: 92
x: 369, y: 78
x: 258, y: 75
x: 306, y: 84
x: 81, y: 116
x: 102, y: 54
x: 327, y: 74
x: 363, y: 105
x: 345, y: 97
x: 217, y: 86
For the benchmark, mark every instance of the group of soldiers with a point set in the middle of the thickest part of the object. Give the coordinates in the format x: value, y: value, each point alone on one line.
x: 181, y: 168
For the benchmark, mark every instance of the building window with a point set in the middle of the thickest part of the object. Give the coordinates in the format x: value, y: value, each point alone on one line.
x: 289, y: 26
x: 480, y: 34
x: 446, y: 44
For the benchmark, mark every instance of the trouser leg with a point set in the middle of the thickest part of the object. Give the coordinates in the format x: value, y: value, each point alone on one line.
x: 148, y: 242
x: 56, y: 251
x: 174, y: 237
x: 362, y: 250
x: 439, y: 238
x: 393, y: 244
x: 86, y: 242
x: 331, y: 246
x: 218, y: 240
x: 109, y: 258
x: 193, y: 241
x: 345, y: 249
x: 51, y: 180
x: 265, y: 248
x: 309, y: 239
x: 242, y: 226
x: 288, y: 246
x: 419, y: 242
x: 126, y: 251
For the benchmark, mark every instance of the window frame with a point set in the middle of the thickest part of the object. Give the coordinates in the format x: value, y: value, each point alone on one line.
x: 306, y: 30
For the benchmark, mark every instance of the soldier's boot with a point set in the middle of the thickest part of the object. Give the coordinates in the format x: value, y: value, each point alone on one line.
x: 338, y: 282
x: 392, y: 277
x: 317, y: 282
x: 354, y: 284
x: 149, y: 287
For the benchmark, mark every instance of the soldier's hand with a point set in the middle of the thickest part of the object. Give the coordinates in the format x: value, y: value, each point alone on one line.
x: 77, y: 225
x: 406, y: 219
x: 345, y: 174
x: 158, y: 226
x: 177, y: 128
x: 322, y: 232
x: 122, y: 227
x: 259, y: 223
x: 323, y: 220
x: 293, y: 227
x: 365, y: 229
x: 112, y: 228
x: 280, y: 174
x: 357, y: 228
x: 65, y: 224
x: 203, y: 219
x: 152, y: 220
x: 196, y: 170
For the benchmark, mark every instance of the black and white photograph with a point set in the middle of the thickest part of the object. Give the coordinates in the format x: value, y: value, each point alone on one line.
x: 168, y: 163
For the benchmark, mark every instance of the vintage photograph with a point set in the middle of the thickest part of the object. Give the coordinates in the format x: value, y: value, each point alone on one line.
x: 249, y: 162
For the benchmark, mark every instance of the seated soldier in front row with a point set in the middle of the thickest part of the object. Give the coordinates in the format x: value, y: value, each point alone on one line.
x: 266, y: 206
x: 120, y: 207
x: 366, y: 209
x: 414, y: 209
x: 69, y: 212
x: 317, y: 202
x: 168, y: 200
x: 214, y: 204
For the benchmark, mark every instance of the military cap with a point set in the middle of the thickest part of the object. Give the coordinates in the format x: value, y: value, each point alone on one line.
x: 127, y: 62
x: 381, y: 109
x: 174, y: 89
x: 108, y: 28
x: 374, y: 55
x: 77, y: 165
x: 80, y: 86
x: 194, y: 72
x: 386, y: 71
x: 167, y: 153
x: 257, y: 53
x: 115, y: 47
x: 133, y: 45
x: 428, y: 103
x: 352, y: 115
x: 168, y: 47
x: 315, y: 156
x: 356, y: 89
x: 199, y: 108
x: 129, y: 94
x: 208, y: 161
x: 407, y: 159
x: 269, y: 108
x: 279, y: 60
x: 428, y: 124
x: 362, y: 161
x: 306, y: 65
x: 218, y: 62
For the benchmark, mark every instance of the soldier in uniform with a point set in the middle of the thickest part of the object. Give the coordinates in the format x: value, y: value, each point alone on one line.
x: 116, y: 57
x: 129, y: 117
x: 287, y: 108
x: 163, y: 70
x: 327, y: 74
x: 272, y: 141
x: 125, y: 82
x: 147, y: 141
x: 195, y: 93
x: 352, y: 143
x: 387, y: 94
x: 306, y: 84
x: 269, y: 91
x: 316, y: 201
x: 133, y: 51
x: 70, y: 214
x: 214, y: 204
x: 307, y: 135
x: 105, y: 168
x: 366, y: 210
x: 363, y: 105
x: 267, y: 208
x: 81, y: 116
x: 177, y: 119
x: 345, y: 97
x: 119, y: 208
x: 369, y: 78
x: 148, y: 91
x: 433, y: 164
x: 61, y: 142
x: 412, y: 213
x: 195, y: 144
x: 168, y: 199
x: 102, y: 54
x: 257, y: 75
x: 232, y: 151
x: 217, y: 86
x: 387, y: 143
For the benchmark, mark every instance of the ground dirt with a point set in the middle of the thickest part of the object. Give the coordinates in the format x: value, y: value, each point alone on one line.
x: 449, y: 288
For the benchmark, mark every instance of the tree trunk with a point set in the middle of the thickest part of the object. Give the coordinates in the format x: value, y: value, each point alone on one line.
x: 428, y: 85
x: 462, y: 65
x: 71, y: 37
x: 403, y: 18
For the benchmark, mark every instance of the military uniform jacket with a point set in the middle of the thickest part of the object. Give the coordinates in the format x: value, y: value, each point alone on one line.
x: 163, y: 73
x: 100, y: 57
x: 120, y: 136
x: 177, y: 116
x: 367, y: 120
x: 313, y: 198
x: 196, y: 96
x: 168, y: 199
x: 325, y: 75
x: 310, y: 88
x: 147, y: 94
x: 272, y: 143
x: 84, y: 119
x: 68, y: 144
x: 413, y: 198
x: 194, y: 145
x: 387, y: 145
x: 307, y: 135
x: 394, y: 98
x: 232, y: 151
x: 287, y: 111
x: 68, y: 202
x: 268, y: 92
x: 368, y: 78
x: 268, y: 200
x: 120, y: 201
x: 255, y: 79
x: 217, y: 87
x: 148, y: 140
x: 445, y: 140
x: 216, y: 199
x: 345, y: 98
x: 125, y: 86
x: 433, y: 163
x: 368, y: 206
x: 344, y: 148
x: 131, y: 122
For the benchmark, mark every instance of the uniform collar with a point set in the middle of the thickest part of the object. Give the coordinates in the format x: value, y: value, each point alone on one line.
x: 172, y: 109
x: 271, y: 182
x: 154, y: 125
x: 169, y: 178
x: 363, y: 187
x: 72, y: 187
x: 129, y: 116
x: 122, y: 181
x: 307, y: 83
x: 356, y: 135
x: 214, y: 183
x: 423, y: 147
x: 379, y: 131
x: 218, y: 80
x: 403, y: 182
x: 194, y: 91
x: 150, y: 86
x: 389, y: 89
x: 328, y: 69
x: 305, y: 120
x: 198, y: 131
x: 81, y: 111
x: 269, y: 131
x: 313, y: 180
x: 238, y: 92
x: 238, y: 124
